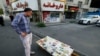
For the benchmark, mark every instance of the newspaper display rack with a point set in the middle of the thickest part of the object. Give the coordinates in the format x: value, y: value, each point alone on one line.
x: 55, y: 47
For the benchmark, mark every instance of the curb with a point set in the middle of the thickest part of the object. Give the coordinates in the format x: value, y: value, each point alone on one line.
x: 55, y: 24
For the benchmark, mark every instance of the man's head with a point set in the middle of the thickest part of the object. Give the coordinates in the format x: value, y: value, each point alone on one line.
x: 28, y: 12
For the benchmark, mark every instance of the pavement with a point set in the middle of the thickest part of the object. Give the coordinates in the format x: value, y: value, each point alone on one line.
x: 10, y: 44
x: 83, y: 38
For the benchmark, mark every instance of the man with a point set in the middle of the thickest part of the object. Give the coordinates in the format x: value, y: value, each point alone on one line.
x: 2, y: 21
x: 11, y: 17
x: 22, y: 27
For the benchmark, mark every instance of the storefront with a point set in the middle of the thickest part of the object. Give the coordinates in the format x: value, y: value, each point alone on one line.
x: 71, y: 13
x: 20, y: 5
x: 51, y: 17
x: 51, y: 11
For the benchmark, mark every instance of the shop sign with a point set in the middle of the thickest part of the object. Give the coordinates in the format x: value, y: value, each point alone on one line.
x: 50, y: 5
x: 7, y: 2
x: 73, y: 9
x: 21, y: 4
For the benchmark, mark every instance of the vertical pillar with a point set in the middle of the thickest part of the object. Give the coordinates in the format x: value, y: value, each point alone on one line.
x: 40, y: 10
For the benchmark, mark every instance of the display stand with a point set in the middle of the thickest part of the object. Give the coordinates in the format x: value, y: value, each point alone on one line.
x: 55, y: 47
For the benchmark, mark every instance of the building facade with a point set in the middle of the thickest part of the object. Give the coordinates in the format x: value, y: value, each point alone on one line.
x: 4, y: 6
x: 85, y: 4
x: 78, y: 7
x: 51, y: 10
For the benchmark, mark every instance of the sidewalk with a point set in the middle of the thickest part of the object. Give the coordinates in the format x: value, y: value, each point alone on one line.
x: 67, y: 21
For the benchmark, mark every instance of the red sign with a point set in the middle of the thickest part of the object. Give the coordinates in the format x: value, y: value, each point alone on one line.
x: 73, y: 8
x: 8, y: 2
x: 53, y: 5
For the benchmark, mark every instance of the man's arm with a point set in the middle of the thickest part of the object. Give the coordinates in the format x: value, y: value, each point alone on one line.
x: 15, y: 23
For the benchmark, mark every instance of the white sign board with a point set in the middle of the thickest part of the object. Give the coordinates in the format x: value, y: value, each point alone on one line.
x: 50, y: 5
x: 21, y: 4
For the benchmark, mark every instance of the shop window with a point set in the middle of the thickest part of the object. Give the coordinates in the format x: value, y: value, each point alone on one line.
x: 70, y: 0
x: 53, y: 14
x: 86, y: 2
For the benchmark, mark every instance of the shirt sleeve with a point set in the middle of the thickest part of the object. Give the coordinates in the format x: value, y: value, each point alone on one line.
x: 15, y: 23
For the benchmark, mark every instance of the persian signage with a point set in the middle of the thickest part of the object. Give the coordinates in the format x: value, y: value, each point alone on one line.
x: 50, y: 5
x: 21, y: 4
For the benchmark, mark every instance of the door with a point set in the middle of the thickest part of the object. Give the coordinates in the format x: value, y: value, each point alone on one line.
x: 94, y: 19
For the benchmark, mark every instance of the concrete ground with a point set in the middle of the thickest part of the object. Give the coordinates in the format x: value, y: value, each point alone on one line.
x: 10, y: 44
x: 83, y: 38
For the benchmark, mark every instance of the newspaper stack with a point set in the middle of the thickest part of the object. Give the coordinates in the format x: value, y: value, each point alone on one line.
x: 55, y: 47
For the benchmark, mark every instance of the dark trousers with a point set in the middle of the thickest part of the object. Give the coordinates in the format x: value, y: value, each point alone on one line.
x: 1, y: 21
x: 11, y: 18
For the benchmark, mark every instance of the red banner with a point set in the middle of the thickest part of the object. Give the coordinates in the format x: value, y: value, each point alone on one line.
x: 8, y: 2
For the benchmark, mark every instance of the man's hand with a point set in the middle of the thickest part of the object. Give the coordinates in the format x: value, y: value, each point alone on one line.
x: 23, y: 34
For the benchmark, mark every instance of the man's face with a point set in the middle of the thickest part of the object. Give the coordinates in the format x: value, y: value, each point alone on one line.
x: 29, y: 13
